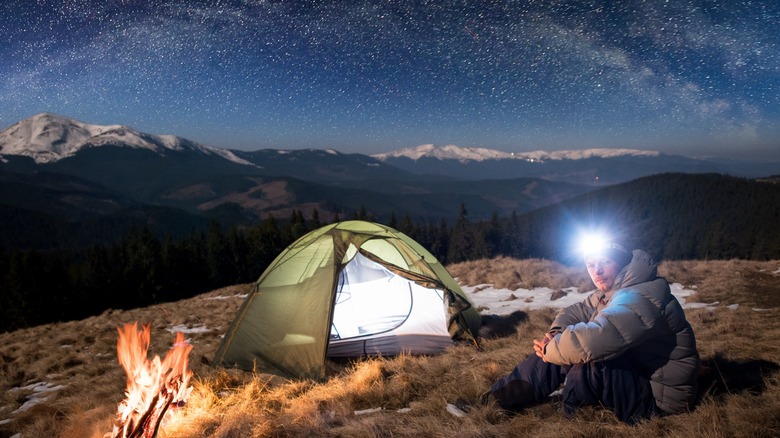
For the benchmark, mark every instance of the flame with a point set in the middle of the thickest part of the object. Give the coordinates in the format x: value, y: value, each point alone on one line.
x: 152, y: 385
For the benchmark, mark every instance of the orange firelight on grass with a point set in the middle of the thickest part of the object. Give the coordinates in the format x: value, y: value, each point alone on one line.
x: 153, y: 386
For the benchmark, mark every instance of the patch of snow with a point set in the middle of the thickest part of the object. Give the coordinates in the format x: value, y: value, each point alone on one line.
x: 681, y: 293
x: 32, y: 400
x: 2, y: 422
x: 181, y: 328
x: 368, y: 411
x: 491, y: 300
x: 455, y: 411
x: 41, y: 393
x: 708, y: 306
x: 226, y: 297
x: 38, y: 387
x: 759, y: 309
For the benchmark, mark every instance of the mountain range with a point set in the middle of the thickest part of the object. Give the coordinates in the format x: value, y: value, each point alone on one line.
x: 58, y: 169
x: 596, y: 167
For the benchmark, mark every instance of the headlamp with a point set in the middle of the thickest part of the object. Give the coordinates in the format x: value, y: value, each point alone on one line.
x: 592, y: 242
x: 599, y: 243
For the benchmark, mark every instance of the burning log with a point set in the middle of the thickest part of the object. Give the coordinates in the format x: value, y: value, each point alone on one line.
x: 152, y: 385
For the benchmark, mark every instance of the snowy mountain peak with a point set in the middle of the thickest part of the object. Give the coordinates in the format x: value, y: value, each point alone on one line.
x: 465, y: 154
x: 49, y: 137
x: 584, y: 154
x: 449, y: 152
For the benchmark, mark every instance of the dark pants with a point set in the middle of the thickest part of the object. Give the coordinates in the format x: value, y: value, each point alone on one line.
x: 617, y: 384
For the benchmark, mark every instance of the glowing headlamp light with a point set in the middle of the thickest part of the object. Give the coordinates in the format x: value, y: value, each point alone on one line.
x: 600, y: 243
x: 590, y: 243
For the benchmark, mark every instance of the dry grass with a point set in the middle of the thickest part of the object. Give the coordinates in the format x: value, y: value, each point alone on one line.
x: 739, y: 347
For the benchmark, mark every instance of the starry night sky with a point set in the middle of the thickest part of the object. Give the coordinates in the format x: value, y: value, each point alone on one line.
x: 679, y: 76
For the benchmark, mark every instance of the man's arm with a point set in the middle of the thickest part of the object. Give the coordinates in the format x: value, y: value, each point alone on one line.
x: 577, y: 312
x: 626, y: 323
x: 570, y: 315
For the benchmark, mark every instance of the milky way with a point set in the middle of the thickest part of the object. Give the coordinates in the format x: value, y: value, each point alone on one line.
x: 688, y: 77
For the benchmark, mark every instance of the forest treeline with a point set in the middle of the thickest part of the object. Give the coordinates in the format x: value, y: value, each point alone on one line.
x: 673, y: 216
x: 140, y: 268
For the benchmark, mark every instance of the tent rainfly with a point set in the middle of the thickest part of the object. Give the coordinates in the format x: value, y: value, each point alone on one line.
x: 347, y: 289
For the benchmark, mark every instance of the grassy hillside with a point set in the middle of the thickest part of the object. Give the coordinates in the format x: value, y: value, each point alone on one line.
x: 77, y: 362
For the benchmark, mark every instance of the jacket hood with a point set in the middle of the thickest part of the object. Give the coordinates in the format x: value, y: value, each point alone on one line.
x: 640, y: 269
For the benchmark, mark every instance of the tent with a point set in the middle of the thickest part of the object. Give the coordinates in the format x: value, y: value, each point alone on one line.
x: 347, y: 289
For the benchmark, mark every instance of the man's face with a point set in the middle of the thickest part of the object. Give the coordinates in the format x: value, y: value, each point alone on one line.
x: 603, y: 271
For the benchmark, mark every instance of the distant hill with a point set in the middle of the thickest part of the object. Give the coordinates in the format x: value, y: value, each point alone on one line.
x: 673, y: 215
x: 59, y: 195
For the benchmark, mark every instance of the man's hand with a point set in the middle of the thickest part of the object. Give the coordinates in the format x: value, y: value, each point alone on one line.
x: 540, y: 343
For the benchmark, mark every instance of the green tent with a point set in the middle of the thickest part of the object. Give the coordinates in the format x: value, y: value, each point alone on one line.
x: 349, y: 289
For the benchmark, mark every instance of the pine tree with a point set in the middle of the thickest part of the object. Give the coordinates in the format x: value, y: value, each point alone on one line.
x: 361, y: 214
x: 142, y: 259
x: 315, y: 220
x: 406, y: 226
x: 438, y: 240
x: 217, y: 255
x: 511, y: 240
x: 393, y: 222
x: 14, y: 306
x: 297, y: 225
x: 461, y: 238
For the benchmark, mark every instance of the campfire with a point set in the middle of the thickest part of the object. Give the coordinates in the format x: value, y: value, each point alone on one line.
x: 153, y: 386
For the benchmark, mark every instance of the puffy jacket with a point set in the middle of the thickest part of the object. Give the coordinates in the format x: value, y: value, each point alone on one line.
x: 641, y: 318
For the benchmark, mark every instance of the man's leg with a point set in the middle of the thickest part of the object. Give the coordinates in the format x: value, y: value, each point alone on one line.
x: 532, y: 381
x: 616, y: 384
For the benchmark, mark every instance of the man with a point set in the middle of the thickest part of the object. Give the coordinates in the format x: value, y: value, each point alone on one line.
x: 627, y: 346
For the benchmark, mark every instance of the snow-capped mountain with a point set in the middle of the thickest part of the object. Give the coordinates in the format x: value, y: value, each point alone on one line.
x: 449, y: 152
x: 48, y: 138
x: 584, y: 154
x: 588, y: 166
x: 465, y: 154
